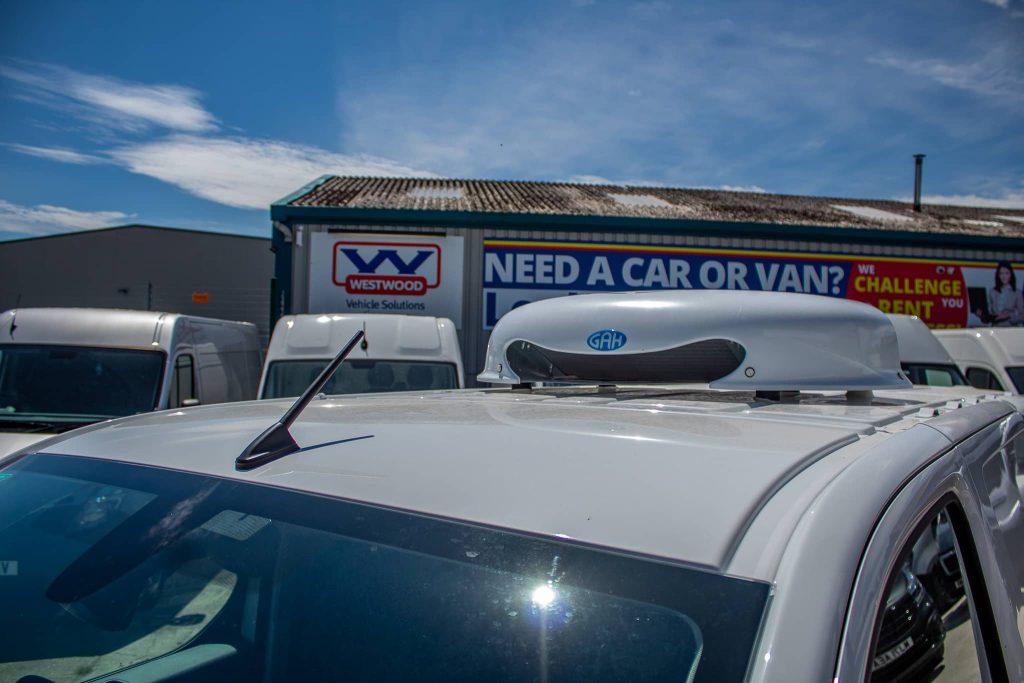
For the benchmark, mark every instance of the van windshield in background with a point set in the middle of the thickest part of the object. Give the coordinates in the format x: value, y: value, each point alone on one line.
x: 358, y: 376
x: 1017, y: 375
x: 934, y: 375
x: 75, y: 384
x: 114, y: 565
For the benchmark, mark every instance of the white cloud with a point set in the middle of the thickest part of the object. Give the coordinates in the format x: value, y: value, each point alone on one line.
x: 756, y: 189
x: 45, y: 219
x: 1006, y: 199
x: 992, y: 80
x: 586, y: 179
x: 113, y: 101
x: 67, y: 156
x: 242, y: 172
x: 1003, y: 4
x: 1011, y: 201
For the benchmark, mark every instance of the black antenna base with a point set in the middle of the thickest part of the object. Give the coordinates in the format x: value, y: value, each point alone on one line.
x: 276, y: 442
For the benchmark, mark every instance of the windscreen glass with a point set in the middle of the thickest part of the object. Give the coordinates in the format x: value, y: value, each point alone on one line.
x: 148, y: 574
x: 291, y: 377
x: 76, y: 384
x: 934, y: 375
x: 1017, y: 375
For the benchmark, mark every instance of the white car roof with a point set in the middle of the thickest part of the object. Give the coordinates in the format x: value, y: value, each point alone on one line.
x: 678, y: 473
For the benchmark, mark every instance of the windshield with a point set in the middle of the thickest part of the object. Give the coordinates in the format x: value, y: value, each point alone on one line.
x: 108, y: 566
x: 934, y: 375
x: 76, y: 384
x: 359, y: 376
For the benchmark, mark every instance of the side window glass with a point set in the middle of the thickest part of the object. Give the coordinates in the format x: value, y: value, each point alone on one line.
x: 938, y: 377
x: 182, y: 381
x: 981, y: 378
x: 927, y: 629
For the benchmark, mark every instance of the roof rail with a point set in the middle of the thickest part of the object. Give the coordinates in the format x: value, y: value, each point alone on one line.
x: 747, y: 340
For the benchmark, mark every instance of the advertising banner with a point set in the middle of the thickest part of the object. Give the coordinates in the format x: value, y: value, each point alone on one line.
x: 941, y: 293
x: 363, y: 273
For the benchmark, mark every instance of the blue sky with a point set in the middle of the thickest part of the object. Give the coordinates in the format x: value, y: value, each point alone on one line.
x: 199, y: 114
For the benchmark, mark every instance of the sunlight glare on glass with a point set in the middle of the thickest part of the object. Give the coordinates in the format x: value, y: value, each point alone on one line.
x: 543, y: 596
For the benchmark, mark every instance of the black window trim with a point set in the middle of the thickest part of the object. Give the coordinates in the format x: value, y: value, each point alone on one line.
x: 174, y: 376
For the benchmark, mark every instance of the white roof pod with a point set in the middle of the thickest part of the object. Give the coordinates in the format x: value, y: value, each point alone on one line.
x: 743, y: 340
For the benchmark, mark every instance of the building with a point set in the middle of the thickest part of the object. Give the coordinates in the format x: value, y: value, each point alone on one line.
x: 141, y: 267
x: 472, y: 250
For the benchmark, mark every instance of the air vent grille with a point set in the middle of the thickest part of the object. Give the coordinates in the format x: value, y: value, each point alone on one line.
x: 702, y: 361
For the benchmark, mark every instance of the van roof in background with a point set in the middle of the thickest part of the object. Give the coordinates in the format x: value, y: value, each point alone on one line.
x: 387, y: 337
x: 1003, y: 346
x: 917, y: 343
x: 104, y: 327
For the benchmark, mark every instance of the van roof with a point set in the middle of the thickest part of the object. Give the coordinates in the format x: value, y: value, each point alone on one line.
x: 387, y: 336
x: 109, y: 327
x: 917, y: 343
x: 1005, y: 345
x: 692, y: 467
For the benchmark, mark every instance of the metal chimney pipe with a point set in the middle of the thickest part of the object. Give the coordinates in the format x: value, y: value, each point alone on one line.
x: 918, y: 166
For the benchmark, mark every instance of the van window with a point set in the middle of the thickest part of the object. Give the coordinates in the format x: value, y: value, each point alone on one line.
x: 183, y: 381
x: 928, y: 623
x: 291, y: 377
x: 231, y: 581
x: 934, y: 375
x: 80, y: 383
x: 980, y: 378
x: 1017, y: 376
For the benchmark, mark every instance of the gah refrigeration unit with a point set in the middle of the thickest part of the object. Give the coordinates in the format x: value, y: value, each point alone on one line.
x: 473, y: 250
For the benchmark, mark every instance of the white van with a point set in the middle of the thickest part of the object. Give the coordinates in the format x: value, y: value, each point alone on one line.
x: 922, y: 356
x: 398, y: 353
x: 991, y: 357
x: 62, y: 368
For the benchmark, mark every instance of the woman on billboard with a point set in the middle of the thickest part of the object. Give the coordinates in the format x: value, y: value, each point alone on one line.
x: 1005, y: 304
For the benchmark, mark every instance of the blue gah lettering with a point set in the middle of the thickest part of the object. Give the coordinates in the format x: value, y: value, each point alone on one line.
x: 606, y: 340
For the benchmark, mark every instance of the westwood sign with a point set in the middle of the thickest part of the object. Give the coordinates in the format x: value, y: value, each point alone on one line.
x: 387, y: 268
x: 361, y: 273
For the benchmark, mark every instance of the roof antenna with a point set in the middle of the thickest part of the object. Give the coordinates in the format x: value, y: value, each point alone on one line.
x: 277, y: 442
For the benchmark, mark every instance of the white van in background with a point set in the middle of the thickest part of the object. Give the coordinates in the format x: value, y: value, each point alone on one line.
x: 991, y: 357
x: 922, y: 356
x: 398, y: 353
x: 62, y: 368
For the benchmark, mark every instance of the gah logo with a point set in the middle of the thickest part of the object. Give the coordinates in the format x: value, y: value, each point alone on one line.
x: 606, y: 340
x: 389, y: 268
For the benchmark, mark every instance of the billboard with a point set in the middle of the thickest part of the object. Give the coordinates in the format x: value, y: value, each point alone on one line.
x: 364, y: 273
x: 942, y: 293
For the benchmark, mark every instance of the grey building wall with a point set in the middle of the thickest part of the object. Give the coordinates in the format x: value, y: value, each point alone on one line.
x: 141, y: 267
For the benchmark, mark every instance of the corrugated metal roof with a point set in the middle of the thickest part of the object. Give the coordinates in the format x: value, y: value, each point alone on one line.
x: 569, y: 199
